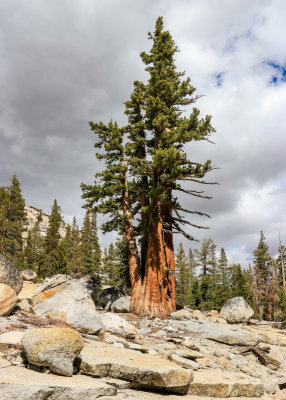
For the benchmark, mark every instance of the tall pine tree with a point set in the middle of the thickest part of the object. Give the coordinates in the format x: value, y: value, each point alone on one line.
x: 144, y: 173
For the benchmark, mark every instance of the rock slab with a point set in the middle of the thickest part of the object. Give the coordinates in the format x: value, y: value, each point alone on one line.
x: 144, y: 371
x: 236, y: 310
x: 23, y: 384
x: 61, y: 297
x: 10, y: 275
x: 55, y: 348
x: 8, y: 299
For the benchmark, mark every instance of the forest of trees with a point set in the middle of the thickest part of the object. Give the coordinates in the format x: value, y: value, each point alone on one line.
x: 204, y: 277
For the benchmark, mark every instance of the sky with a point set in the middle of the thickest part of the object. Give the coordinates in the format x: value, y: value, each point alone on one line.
x: 67, y: 62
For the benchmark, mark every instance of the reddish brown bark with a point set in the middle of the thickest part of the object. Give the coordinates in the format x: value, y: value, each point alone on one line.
x: 154, y: 294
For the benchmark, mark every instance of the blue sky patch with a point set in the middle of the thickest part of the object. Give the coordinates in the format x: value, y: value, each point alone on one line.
x: 278, y: 72
x: 219, y: 79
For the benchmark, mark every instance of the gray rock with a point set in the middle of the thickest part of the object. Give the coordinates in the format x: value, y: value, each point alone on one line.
x: 25, y: 306
x: 183, y: 362
x: 181, y: 315
x: 115, y: 324
x: 236, y: 310
x: 23, y: 384
x: 142, y: 370
x: 121, y: 305
x: 29, y: 275
x: 109, y: 295
x: 64, y: 298
x: 10, y: 275
x: 221, y: 333
x: 55, y: 348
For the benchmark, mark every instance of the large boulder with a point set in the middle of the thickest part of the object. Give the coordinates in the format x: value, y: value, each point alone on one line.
x: 10, y: 275
x: 8, y: 299
x: 64, y: 298
x: 121, y: 305
x: 109, y: 295
x: 236, y: 310
x: 55, y: 348
x: 29, y: 275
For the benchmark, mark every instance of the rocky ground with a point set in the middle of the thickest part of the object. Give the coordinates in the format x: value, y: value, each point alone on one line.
x: 55, y: 343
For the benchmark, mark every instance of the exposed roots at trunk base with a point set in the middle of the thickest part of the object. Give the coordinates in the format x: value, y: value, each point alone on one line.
x: 150, y: 299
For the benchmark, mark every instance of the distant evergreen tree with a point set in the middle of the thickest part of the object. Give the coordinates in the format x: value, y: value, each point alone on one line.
x: 74, y: 263
x: 184, y: 279
x: 53, y: 258
x: 95, y: 245
x: 262, y: 267
x: 206, y: 259
x: 110, y: 266
x: 12, y: 222
x: 223, y: 290
x: 192, y: 264
x: 87, y: 259
x: 122, y: 267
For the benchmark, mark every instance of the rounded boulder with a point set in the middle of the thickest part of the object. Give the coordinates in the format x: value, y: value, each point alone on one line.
x: 8, y: 299
x: 55, y: 348
x: 236, y: 310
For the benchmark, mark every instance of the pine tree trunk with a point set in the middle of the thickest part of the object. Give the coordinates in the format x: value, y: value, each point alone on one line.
x: 154, y: 294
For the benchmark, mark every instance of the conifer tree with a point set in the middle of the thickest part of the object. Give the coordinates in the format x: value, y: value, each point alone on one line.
x: 144, y: 173
x: 183, y: 279
x: 74, y: 263
x: 110, y: 264
x: 95, y: 245
x: 87, y: 259
x: 12, y: 221
x: 53, y: 258
x: 121, y: 251
x: 223, y: 291
x: 262, y: 268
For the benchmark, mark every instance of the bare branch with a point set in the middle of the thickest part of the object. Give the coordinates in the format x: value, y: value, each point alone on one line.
x: 184, y: 233
x: 184, y: 222
x: 193, y: 193
x: 191, y: 212
x: 198, y: 181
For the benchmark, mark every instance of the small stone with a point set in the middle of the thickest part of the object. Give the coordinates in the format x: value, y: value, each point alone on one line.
x: 204, y: 362
x: 184, y: 362
x: 29, y: 275
x: 152, y: 352
x: 197, y: 314
x: 25, y: 306
x: 159, y: 334
x: 181, y: 315
x: 223, y: 362
x: 118, y: 345
x: 191, y: 355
